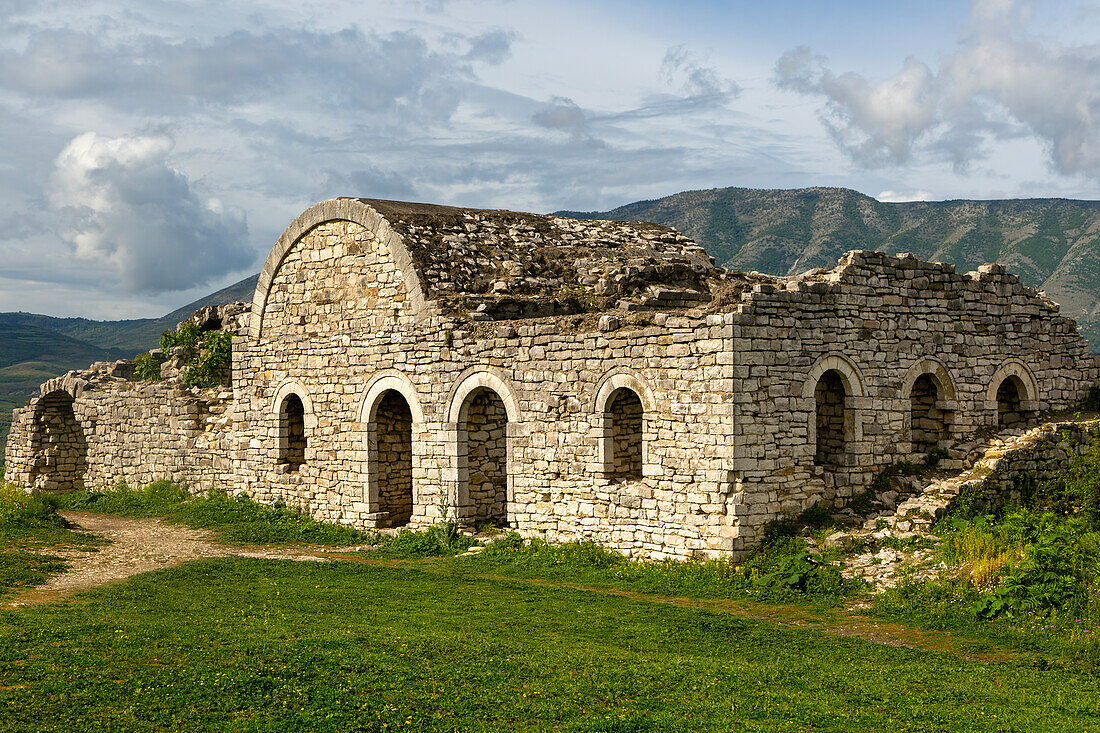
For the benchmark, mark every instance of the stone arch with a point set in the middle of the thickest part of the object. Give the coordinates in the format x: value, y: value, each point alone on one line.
x: 295, y: 418
x: 930, y: 390
x: 1012, y: 394
x: 834, y: 385
x: 482, y: 417
x: 392, y: 416
x: 939, y: 373
x: 340, y: 209
x: 58, y: 443
x: 621, y: 406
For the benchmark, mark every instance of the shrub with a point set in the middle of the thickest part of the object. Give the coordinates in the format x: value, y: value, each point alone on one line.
x: 147, y: 367
x: 187, y: 335
x: 212, y: 366
x: 23, y: 510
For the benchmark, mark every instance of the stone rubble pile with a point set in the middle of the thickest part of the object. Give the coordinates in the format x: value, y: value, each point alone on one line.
x: 1000, y: 469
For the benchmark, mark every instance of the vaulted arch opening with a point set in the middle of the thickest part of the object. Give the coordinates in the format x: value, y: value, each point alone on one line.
x: 626, y: 419
x: 391, y: 458
x: 928, y: 424
x: 292, y: 433
x: 483, y: 455
x: 831, y: 400
x: 1009, y: 402
x: 61, y: 448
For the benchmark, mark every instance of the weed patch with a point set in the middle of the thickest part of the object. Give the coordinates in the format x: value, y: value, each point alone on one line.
x: 1027, y: 574
x: 781, y: 569
x: 29, y: 527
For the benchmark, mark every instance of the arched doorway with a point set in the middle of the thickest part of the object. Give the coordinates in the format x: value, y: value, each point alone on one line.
x: 483, y: 456
x: 59, y: 444
x: 391, y: 461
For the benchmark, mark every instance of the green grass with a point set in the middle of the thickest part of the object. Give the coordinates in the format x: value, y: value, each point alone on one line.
x: 247, y: 645
x: 780, y: 570
x: 237, y: 520
x: 30, y: 527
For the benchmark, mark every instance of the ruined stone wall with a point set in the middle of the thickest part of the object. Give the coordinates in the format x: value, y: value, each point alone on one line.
x: 1036, y: 458
x: 876, y: 324
x: 90, y: 429
x: 340, y: 331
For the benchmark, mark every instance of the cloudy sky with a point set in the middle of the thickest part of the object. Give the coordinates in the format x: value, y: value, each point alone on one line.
x: 152, y: 151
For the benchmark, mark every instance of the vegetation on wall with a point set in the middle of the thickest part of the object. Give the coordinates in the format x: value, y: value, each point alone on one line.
x: 208, y: 355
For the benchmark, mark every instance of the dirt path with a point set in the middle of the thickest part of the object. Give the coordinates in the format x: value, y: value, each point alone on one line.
x: 137, y: 546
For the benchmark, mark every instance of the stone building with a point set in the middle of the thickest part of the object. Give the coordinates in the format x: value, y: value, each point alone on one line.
x: 571, y: 378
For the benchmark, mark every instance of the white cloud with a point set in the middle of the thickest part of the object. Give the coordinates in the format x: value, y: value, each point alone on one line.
x: 128, y: 211
x: 682, y: 70
x: 1002, y: 83
x: 890, y: 196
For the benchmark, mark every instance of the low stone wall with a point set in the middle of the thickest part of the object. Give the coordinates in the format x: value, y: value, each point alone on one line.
x: 97, y: 428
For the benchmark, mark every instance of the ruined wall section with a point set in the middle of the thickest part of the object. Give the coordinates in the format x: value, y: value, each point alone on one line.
x: 340, y: 326
x: 881, y: 322
x: 95, y: 428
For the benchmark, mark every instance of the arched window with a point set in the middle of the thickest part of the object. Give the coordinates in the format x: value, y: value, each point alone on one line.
x: 62, y: 450
x: 625, y: 417
x: 292, y: 432
x: 391, y: 457
x: 483, y: 455
x: 832, y: 420
x: 1009, y: 400
x: 927, y: 423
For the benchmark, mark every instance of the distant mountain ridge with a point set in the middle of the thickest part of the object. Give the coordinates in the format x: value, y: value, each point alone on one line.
x: 1052, y: 244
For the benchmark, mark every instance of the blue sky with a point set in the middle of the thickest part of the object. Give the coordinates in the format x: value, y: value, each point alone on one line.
x: 151, y: 152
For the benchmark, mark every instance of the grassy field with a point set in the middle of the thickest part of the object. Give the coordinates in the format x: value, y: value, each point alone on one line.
x: 534, y: 636
x: 234, y: 644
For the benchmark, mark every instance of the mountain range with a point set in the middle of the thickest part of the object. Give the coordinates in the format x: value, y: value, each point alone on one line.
x: 1052, y: 244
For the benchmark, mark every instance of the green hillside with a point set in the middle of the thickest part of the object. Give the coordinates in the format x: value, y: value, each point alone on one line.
x: 37, y: 348
x: 1053, y: 244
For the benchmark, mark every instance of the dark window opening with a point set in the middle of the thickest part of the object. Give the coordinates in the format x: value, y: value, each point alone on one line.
x: 626, y: 416
x: 1009, y: 409
x: 832, y: 403
x: 292, y: 428
x: 927, y: 423
x: 392, y: 459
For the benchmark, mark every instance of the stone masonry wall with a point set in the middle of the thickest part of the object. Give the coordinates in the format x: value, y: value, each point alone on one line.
x: 137, y: 432
x: 667, y: 427
x: 340, y: 322
x: 878, y: 323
